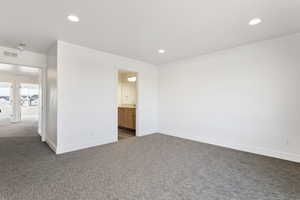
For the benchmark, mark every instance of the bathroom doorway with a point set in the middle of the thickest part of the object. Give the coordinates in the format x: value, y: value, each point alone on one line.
x: 127, y: 102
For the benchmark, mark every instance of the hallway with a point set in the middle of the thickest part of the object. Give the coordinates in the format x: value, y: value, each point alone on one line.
x: 24, y: 128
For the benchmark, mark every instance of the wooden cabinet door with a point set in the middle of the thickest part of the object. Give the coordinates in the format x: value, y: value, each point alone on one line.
x: 130, y: 118
x: 126, y: 117
x: 121, y: 117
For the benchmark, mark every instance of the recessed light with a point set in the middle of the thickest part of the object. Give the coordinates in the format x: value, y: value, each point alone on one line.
x: 254, y: 21
x: 161, y: 51
x: 132, y: 79
x: 73, y: 18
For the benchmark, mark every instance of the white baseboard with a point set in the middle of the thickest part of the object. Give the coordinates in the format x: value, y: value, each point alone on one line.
x: 76, y: 147
x: 250, y: 149
x: 51, y: 144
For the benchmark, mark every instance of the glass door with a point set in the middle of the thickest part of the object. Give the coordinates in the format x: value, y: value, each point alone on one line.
x: 30, y: 101
x: 6, y: 110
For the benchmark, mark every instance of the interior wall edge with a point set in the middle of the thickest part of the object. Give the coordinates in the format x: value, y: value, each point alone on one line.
x: 51, y: 144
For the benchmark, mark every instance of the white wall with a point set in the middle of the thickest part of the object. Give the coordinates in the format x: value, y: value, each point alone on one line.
x: 51, y: 98
x: 87, y: 96
x: 25, y: 58
x: 247, y: 98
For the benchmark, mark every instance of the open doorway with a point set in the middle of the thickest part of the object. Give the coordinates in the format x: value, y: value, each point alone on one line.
x: 127, y: 101
x: 19, y: 101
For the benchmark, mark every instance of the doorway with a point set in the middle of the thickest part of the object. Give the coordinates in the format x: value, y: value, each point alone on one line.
x: 19, y: 101
x: 127, y: 103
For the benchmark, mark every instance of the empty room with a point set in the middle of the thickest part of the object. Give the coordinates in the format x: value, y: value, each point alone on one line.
x: 150, y: 100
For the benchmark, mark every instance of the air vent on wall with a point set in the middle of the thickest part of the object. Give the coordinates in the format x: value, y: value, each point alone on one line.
x: 10, y: 54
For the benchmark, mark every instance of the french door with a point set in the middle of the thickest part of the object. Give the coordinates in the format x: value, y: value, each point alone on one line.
x: 30, y: 101
x: 6, y: 105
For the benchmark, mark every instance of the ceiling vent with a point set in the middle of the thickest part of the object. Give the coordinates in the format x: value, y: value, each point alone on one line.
x: 10, y: 54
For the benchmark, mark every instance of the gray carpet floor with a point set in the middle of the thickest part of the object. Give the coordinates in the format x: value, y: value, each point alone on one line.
x: 124, y: 133
x: 24, y: 128
x: 154, y: 167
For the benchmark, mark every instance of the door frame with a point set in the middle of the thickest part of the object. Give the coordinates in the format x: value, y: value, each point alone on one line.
x: 137, y: 107
x: 43, y: 86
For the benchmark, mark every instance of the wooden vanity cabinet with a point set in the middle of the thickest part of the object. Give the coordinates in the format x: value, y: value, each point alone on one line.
x: 126, y: 117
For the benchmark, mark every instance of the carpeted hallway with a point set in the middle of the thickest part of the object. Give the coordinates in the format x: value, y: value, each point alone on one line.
x: 24, y: 128
x: 154, y: 167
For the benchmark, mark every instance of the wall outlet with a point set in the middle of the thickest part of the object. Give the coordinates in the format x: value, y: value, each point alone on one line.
x: 287, y: 142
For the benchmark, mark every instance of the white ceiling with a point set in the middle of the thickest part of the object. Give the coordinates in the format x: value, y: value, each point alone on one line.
x: 137, y: 28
